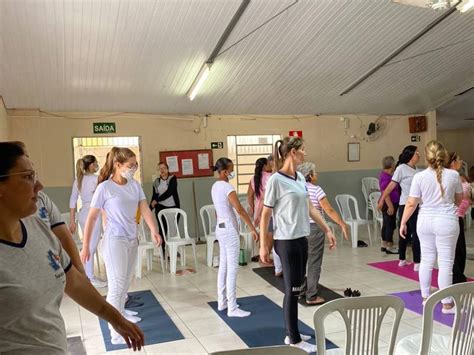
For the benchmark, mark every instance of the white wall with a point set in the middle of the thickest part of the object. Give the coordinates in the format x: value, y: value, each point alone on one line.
x: 4, y: 129
x: 460, y: 141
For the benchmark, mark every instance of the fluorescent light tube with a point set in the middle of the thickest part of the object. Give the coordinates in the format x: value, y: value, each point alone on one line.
x: 199, y: 81
x: 466, y: 5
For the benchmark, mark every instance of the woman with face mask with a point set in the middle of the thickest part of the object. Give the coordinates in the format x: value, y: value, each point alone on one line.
x: 119, y: 195
x: 286, y: 197
x: 84, y: 186
x: 226, y: 204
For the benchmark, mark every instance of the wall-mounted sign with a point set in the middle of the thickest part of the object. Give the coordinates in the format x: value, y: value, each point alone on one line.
x: 217, y: 145
x: 296, y: 134
x: 104, y: 127
x: 415, y: 138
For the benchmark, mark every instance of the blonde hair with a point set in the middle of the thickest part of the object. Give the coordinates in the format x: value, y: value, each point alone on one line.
x: 283, y: 147
x: 437, y: 156
x: 116, y: 155
x: 82, y: 167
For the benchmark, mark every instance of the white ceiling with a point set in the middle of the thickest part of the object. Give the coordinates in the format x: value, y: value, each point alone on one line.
x: 142, y: 56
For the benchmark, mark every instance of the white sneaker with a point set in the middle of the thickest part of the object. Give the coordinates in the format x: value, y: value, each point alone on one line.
x: 451, y: 310
x: 403, y: 263
x: 133, y: 319
x: 238, y: 313
x: 303, y: 337
x: 117, y: 339
x: 416, y: 267
x: 98, y: 283
x: 128, y: 312
x: 221, y: 307
x: 309, y: 348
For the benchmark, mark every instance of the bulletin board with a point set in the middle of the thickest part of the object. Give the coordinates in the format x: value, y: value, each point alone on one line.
x: 189, y: 163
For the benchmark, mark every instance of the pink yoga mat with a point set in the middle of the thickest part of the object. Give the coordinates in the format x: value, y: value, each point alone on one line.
x: 405, y: 271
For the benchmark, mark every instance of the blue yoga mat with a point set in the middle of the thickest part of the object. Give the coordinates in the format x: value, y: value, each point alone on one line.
x: 156, y: 324
x: 265, y: 326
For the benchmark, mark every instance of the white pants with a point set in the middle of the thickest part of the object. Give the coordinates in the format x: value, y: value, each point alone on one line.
x: 120, y: 257
x: 82, y: 217
x: 438, y: 236
x: 277, y: 262
x: 229, y: 248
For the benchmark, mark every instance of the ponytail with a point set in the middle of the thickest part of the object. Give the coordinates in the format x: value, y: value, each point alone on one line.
x: 221, y: 164
x: 80, y: 170
x: 437, y: 156
x: 283, y: 148
x: 116, y: 155
x: 257, y: 179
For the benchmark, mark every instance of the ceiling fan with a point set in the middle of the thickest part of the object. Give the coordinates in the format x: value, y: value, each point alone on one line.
x: 461, y: 5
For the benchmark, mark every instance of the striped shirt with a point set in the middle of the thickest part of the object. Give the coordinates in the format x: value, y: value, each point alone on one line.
x: 316, y: 194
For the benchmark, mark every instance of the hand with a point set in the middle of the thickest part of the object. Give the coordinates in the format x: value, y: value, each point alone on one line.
x: 403, y: 231
x: 390, y: 210
x: 332, y: 240
x: 72, y: 227
x: 345, y: 231
x: 157, y: 239
x: 255, y: 235
x: 85, y: 254
x: 132, y: 334
x: 265, y: 255
x: 153, y: 204
x: 380, y: 205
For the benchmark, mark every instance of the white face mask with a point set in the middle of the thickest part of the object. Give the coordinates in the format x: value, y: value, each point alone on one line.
x: 128, y: 174
x: 231, y: 175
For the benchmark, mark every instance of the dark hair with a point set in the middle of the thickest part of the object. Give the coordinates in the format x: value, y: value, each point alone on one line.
x: 82, y: 167
x: 164, y: 163
x: 283, y: 148
x: 10, y: 153
x: 259, y: 164
x: 407, y: 153
x: 120, y: 155
x: 453, y: 156
x: 221, y: 164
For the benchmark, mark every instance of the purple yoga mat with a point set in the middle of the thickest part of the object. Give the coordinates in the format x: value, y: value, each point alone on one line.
x: 413, y: 302
x: 406, y: 271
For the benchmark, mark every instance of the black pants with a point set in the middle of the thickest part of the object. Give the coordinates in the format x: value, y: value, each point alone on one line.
x: 410, y: 236
x: 389, y: 224
x: 460, y: 256
x: 293, y: 254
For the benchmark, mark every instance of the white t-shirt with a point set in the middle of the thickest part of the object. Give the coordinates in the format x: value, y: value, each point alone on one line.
x: 88, y: 186
x: 425, y: 186
x: 220, y: 198
x: 288, y: 196
x: 403, y: 176
x: 48, y: 212
x: 120, y: 203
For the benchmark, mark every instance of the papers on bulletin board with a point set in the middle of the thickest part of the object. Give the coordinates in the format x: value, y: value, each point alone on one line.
x: 203, y: 161
x: 187, y: 167
x: 172, y: 162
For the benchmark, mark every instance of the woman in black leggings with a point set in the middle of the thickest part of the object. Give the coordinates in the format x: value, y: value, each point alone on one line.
x: 286, y: 197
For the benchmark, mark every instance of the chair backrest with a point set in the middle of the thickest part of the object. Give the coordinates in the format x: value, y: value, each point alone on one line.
x: 265, y: 350
x: 208, y: 219
x: 170, y: 215
x: 462, y: 338
x: 362, y: 318
x: 344, y: 202
x: 369, y: 184
x: 374, y: 198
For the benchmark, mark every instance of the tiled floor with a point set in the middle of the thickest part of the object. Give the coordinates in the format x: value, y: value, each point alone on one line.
x: 185, y: 300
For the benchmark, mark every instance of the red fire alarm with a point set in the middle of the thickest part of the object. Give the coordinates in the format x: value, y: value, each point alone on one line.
x: 296, y: 134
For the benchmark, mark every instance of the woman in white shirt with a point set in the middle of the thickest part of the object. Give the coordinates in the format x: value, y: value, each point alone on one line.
x: 84, y: 186
x: 119, y: 195
x: 438, y: 190
x: 286, y: 197
x: 227, y: 205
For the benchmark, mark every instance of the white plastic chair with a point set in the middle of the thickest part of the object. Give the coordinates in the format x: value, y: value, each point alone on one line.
x: 468, y: 218
x: 369, y: 185
x: 374, y: 198
x: 332, y: 226
x: 461, y: 340
x: 343, y: 203
x: 209, y: 221
x: 146, y: 248
x: 264, y: 350
x: 173, y: 237
x: 363, y: 318
x: 245, y: 232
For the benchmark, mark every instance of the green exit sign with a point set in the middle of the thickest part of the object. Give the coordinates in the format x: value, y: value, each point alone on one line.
x: 104, y: 127
x: 217, y: 145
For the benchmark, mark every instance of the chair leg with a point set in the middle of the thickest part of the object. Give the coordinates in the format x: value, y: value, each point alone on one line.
x: 354, y: 234
x: 173, y: 258
x: 160, y: 255
x: 183, y: 255
x: 149, y: 259
x: 195, y: 258
x: 209, y: 252
x: 370, y: 234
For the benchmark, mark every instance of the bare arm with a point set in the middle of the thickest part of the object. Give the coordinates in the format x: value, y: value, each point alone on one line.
x: 334, y: 216
x: 410, y: 207
x: 265, y: 244
x: 90, y: 224
x: 150, y: 221
x: 72, y: 220
x: 386, y: 193
x: 316, y: 216
x: 251, y: 199
x: 83, y: 293
x: 67, y: 241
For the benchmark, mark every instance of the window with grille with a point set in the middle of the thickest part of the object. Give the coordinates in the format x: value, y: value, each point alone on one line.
x: 244, y: 151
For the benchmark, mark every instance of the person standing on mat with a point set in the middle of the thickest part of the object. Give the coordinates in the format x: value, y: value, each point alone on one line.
x: 286, y: 197
x: 390, y: 207
x: 35, y: 269
x: 226, y: 202
x: 455, y: 163
x: 316, y: 235
x: 403, y: 176
x: 165, y: 195
x: 119, y: 195
x: 438, y: 190
x: 84, y: 186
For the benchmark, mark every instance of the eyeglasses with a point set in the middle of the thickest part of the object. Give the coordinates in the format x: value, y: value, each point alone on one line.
x: 29, y: 175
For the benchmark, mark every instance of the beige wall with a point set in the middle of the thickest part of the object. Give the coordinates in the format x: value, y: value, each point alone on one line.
x: 460, y: 141
x: 4, y: 132
x: 49, y: 138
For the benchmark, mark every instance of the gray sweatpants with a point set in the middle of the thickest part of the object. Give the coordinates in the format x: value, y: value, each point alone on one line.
x: 315, y: 259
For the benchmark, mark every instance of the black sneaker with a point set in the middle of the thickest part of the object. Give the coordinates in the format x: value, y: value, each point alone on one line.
x: 348, y: 292
x: 355, y: 293
x: 383, y: 249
